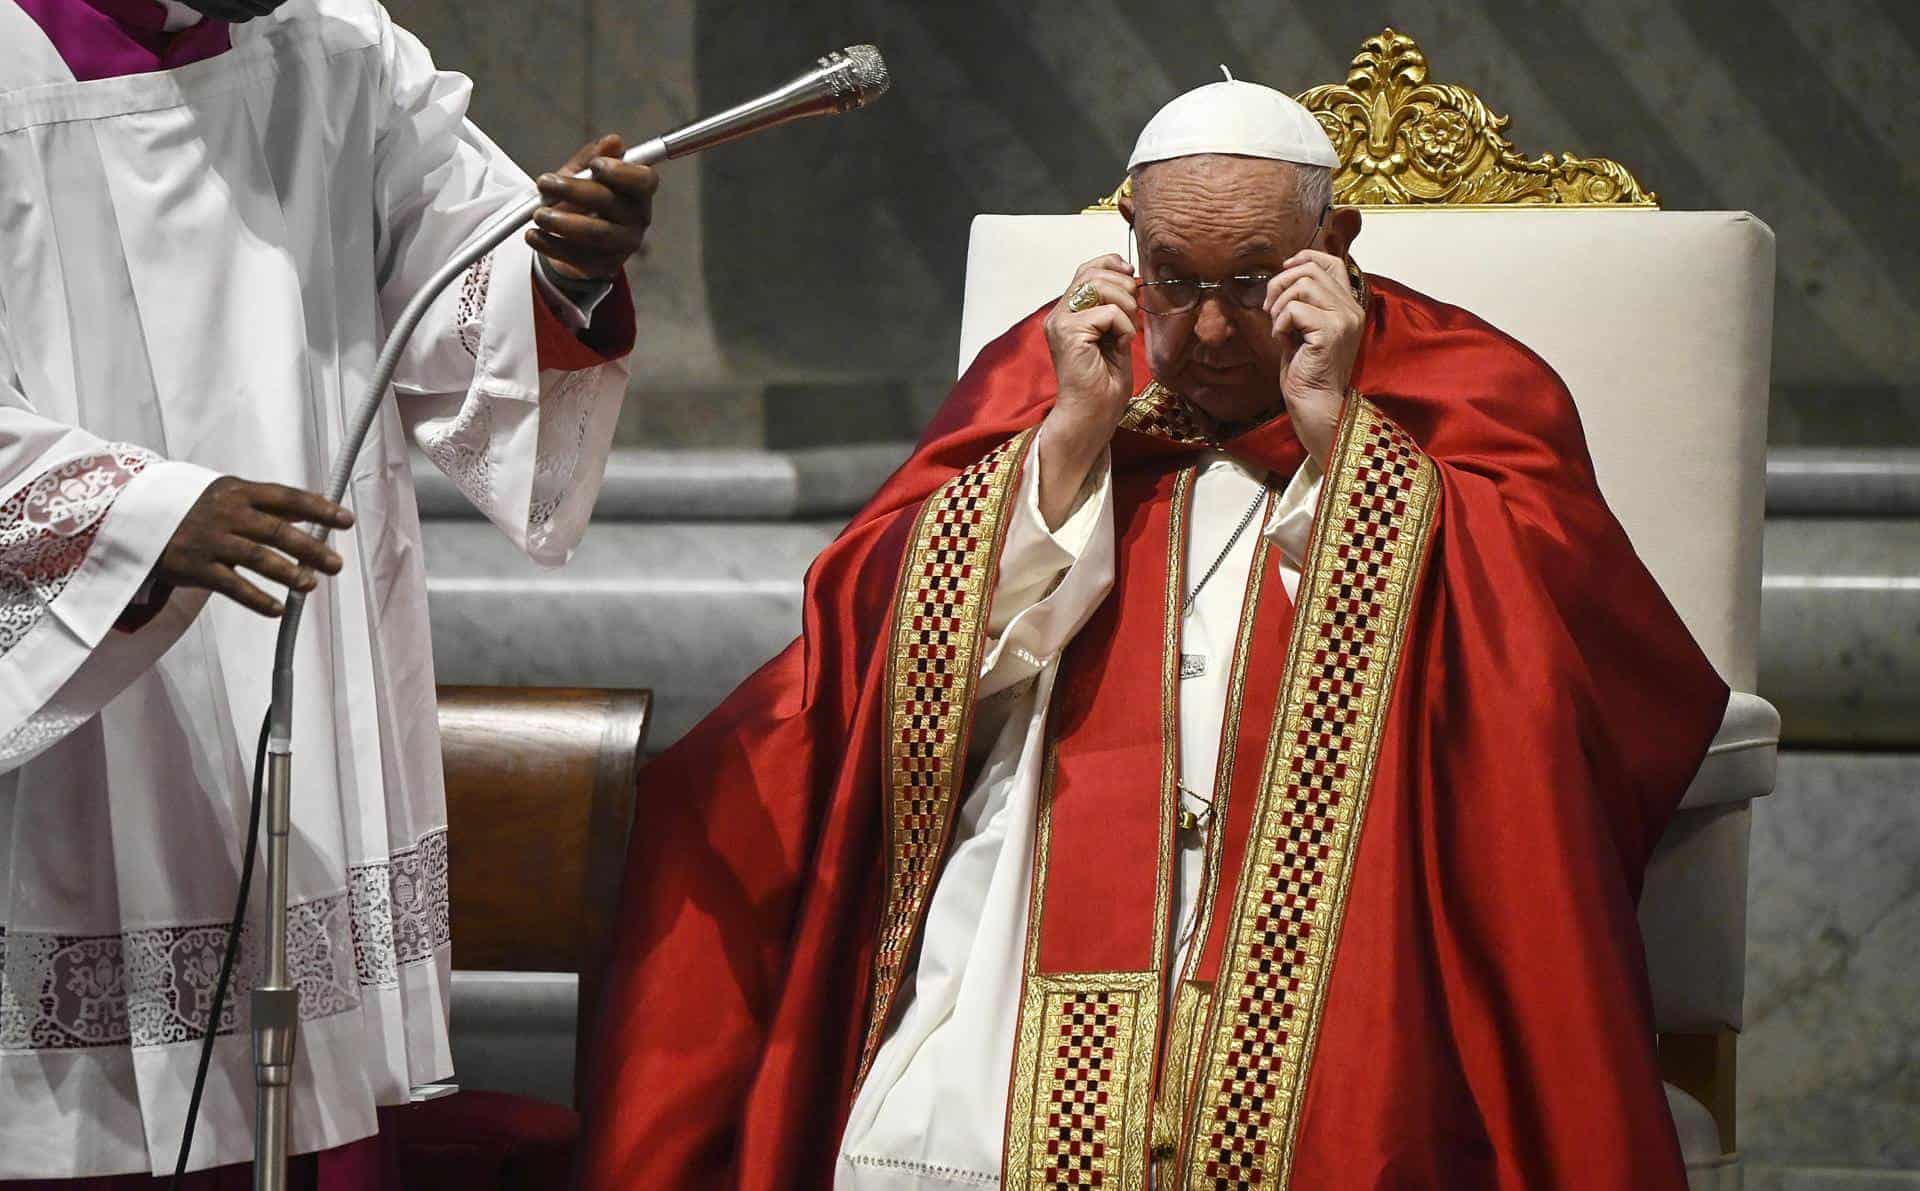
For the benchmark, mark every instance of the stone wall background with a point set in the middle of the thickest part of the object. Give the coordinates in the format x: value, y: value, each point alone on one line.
x: 802, y: 291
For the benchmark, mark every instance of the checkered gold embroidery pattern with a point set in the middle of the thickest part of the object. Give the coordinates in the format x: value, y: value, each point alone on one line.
x: 1083, y: 1062
x: 940, y: 618
x: 1160, y: 412
x: 1368, y: 545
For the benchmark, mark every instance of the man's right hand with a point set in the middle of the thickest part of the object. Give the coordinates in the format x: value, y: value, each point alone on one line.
x: 238, y: 524
x: 1093, y: 365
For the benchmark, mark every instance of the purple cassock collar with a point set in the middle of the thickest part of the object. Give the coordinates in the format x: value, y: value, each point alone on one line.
x: 104, y: 39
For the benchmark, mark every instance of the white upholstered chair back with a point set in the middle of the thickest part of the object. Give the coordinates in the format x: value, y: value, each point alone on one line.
x: 1660, y: 323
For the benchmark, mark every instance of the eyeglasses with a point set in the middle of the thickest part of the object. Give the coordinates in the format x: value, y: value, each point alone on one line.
x: 1182, y: 294
x: 1245, y: 290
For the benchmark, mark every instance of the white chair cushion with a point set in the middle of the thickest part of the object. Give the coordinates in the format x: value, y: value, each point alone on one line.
x: 1693, y: 907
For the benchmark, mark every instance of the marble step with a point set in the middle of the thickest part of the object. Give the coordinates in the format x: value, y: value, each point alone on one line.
x: 759, y: 485
x: 1827, y: 1059
x: 686, y: 608
x: 1843, y: 482
x: 709, y: 484
x: 691, y: 608
x: 1840, y: 630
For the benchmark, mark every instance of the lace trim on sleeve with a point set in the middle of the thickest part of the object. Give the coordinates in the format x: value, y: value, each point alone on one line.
x: 460, y: 447
x: 473, y: 304
x: 155, y: 986
x: 566, y: 414
x: 47, y: 528
x: 38, y: 732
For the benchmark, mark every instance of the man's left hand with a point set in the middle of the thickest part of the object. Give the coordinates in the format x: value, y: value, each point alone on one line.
x: 590, y: 226
x: 1317, y: 324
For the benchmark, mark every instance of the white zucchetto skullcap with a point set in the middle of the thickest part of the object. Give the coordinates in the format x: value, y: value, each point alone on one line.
x: 1243, y: 119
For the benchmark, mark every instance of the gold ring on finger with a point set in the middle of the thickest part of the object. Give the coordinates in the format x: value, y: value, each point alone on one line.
x: 1084, y: 297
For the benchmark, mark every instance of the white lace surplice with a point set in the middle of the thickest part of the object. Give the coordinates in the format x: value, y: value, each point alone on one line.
x: 195, y: 275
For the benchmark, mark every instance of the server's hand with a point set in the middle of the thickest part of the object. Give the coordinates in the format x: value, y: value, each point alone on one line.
x: 239, y: 525
x: 590, y: 226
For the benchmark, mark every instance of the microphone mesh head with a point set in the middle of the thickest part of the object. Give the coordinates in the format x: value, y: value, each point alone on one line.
x: 868, y: 71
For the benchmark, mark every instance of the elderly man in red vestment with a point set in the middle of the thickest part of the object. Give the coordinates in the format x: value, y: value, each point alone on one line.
x: 1241, y: 780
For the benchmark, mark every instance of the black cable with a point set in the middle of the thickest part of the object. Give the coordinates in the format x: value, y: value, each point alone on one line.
x: 247, y: 851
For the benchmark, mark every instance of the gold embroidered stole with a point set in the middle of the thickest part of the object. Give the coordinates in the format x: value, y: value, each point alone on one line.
x: 933, y: 671
x: 1253, y: 684
x: 1255, y: 1048
x: 1233, y: 1060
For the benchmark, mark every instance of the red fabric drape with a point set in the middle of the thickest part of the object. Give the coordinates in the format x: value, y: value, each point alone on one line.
x: 1488, y: 1022
x: 737, y: 992
x: 1110, y: 714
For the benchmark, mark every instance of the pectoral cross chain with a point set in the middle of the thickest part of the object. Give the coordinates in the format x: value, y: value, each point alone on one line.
x: 1193, y: 665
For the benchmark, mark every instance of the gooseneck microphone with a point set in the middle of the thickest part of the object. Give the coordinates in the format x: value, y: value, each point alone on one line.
x: 844, y: 80
x: 841, y: 81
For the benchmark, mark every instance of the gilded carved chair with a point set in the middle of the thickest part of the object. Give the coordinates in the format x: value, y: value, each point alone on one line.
x: 1660, y: 322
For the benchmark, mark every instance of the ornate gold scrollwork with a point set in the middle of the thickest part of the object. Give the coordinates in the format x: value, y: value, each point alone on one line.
x: 1406, y: 140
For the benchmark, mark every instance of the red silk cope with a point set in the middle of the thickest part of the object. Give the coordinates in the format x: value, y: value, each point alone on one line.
x: 1487, y: 1020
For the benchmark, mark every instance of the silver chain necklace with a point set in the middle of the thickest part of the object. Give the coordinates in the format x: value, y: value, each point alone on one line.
x: 1193, y: 665
x: 1246, y: 519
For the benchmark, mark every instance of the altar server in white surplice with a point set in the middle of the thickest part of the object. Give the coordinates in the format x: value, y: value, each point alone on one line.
x: 205, y: 229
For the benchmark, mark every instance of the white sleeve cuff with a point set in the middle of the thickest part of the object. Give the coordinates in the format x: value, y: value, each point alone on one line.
x: 131, y: 537
x: 1050, y: 581
x: 1034, y: 554
x: 1077, y: 530
x: 572, y: 302
x: 1292, y: 524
